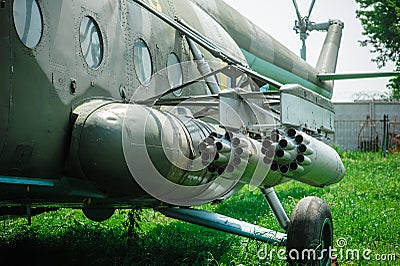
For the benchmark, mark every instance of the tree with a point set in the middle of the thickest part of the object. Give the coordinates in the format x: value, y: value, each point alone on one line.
x: 381, y: 23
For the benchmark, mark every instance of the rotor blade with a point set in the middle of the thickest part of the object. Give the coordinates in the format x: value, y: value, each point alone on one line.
x: 311, y: 8
x: 337, y: 76
x: 297, y: 10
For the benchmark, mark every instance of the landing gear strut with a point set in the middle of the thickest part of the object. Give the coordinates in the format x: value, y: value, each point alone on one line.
x: 309, y: 238
x: 309, y: 231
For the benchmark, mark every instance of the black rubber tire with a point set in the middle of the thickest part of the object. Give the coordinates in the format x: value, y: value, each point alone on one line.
x: 310, y: 233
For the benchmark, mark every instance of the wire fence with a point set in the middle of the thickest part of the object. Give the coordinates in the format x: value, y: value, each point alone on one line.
x: 366, y: 135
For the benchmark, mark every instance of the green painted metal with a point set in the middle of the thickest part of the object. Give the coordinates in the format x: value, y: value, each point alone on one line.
x: 339, y: 76
x: 283, y: 76
x: 252, y: 39
x: 26, y: 181
x: 224, y: 223
x: 42, y: 86
x: 5, y: 73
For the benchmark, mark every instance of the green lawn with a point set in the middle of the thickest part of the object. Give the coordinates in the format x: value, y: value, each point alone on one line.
x: 365, y: 208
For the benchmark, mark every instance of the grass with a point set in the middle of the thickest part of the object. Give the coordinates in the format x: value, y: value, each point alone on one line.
x: 365, y: 207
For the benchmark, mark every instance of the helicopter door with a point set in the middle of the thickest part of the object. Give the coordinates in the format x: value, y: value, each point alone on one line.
x: 5, y: 70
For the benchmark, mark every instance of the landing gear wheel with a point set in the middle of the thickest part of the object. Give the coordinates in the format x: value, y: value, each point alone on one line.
x: 310, y: 233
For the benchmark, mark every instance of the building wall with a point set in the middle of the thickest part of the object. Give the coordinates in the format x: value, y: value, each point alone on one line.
x: 350, y: 122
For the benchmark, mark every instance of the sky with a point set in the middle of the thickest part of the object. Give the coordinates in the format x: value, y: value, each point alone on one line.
x: 277, y: 18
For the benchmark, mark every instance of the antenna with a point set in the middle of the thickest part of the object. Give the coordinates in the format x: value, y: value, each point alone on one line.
x: 303, y: 26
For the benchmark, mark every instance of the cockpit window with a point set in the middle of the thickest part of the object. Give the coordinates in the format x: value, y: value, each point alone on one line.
x: 91, y: 42
x: 28, y: 22
x: 174, y: 71
x: 142, y: 61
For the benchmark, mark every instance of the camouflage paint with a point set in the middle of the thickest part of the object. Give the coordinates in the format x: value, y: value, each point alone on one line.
x: 41, y: 86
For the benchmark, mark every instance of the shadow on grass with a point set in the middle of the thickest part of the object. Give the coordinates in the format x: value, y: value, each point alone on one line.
x: 173, y: 244
x: 74, y: 245
x: 66, y: 238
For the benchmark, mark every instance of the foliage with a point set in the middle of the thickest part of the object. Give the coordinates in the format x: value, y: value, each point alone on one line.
x: 394, y: 86
x: 381, y: 22
x: 365, y: 207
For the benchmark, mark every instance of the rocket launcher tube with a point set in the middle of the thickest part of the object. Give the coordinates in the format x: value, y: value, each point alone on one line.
x: 221, y: 159
x: 305, y: 149
x: 285, y: 156
x: 322, y: 166
x: 267, y: 144
x: 286, y: 144
x: 292, y: 132
x: 150, y: 160
x: 295, y: 168
x: 303, y: 160
x: 302, y: 138
x: 223, y: 146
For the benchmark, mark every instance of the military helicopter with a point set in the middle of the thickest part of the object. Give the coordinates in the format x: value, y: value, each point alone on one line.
x: 165, y: 105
